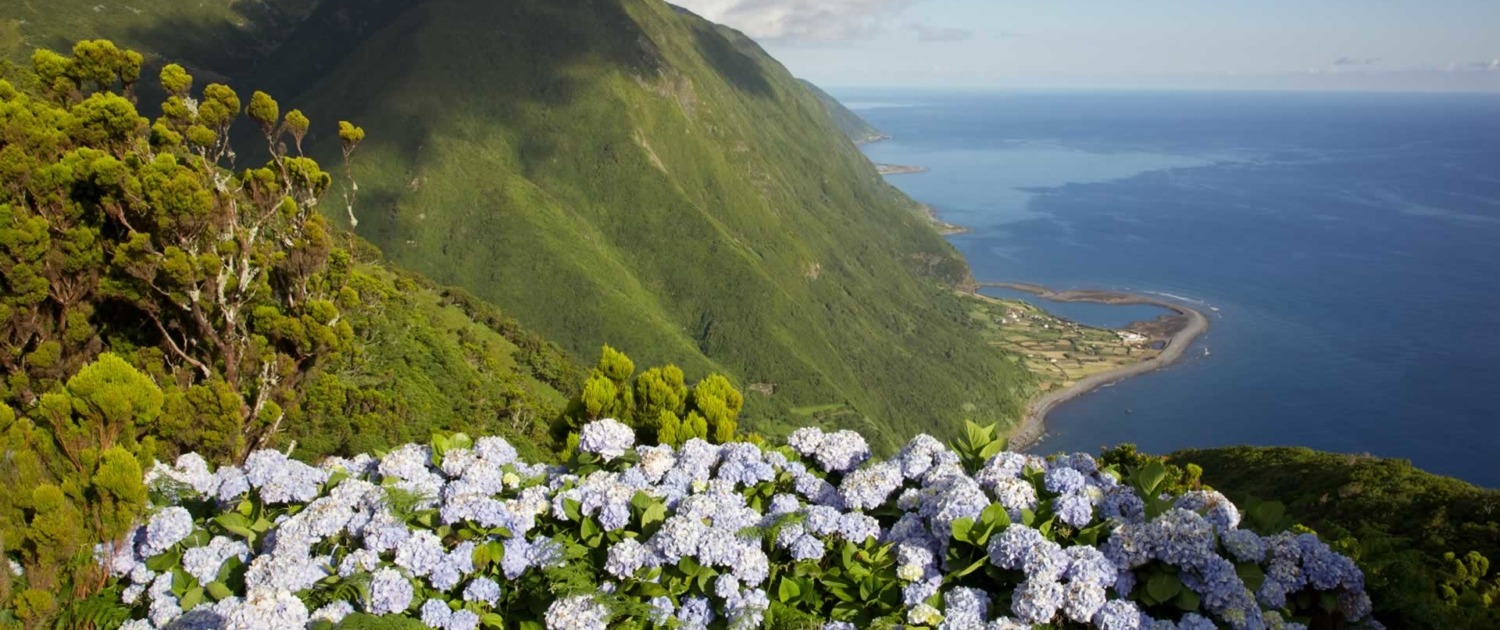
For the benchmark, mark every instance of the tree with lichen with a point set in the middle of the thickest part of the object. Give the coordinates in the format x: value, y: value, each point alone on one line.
x: 657, y: 404
x: 144, y: 230
x: 74, y: 479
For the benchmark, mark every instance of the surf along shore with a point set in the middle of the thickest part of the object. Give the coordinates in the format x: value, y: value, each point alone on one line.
x: 1177, y: 332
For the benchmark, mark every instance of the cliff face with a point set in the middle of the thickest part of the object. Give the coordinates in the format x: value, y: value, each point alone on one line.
x: 624, y: 172
x: 856, y: 128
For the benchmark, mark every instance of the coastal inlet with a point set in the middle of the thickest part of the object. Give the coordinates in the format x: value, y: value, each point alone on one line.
x: 1070, y: 359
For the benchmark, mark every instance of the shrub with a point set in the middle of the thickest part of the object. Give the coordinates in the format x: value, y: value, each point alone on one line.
x: 460, y: 534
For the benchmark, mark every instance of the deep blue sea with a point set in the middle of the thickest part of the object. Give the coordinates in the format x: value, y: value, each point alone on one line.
x: 1347, y: 247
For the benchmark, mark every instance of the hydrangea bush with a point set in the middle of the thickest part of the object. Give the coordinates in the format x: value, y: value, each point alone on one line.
x: 461, y: 534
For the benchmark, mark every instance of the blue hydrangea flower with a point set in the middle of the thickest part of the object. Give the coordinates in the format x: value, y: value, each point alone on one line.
x: 870, y: 486
x: 579, y: 612
x: 1081, y: 600
x: 608, y: 438
x: 332, y: 613
x: 281, y: 480
x: 662, y: 609
x: 165, y: 529
x: 268, y: 608
x: 628, y: 556
x: 695, y: 612
x: 1213, y: 506
x: 436, y: 614
x: 1244, y: 545
x: 842, y: 451
x: 1037, y: 600
x: 482, y: 589
x: 1065, y: 481
x: 390, y: 592
x: 1118, y: 614
x: 1012, y: 547
x: 965, y: 608
x: 463, y: 619
x: 1074, y: 509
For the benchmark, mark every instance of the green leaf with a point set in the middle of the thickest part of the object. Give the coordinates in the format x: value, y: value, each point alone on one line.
x: 192, y: 598
x: 978, y: 564
x: 788, y: 590
x: 163, y: 562
x: 180, y: 582
x: 492, y: 620
x: 573, y: 509
x: 641, y: 501
x: 236, y: 523
x: 1151, y: 477
x: 218, y: 591
x: 1188, y: 600
x: 654, y: 514
x: 1252, y: 575
x: 994, y: 518
x: 1268, y: 514
x: 1163, y: 587
x: 961, y: 528
x: 460, y: 440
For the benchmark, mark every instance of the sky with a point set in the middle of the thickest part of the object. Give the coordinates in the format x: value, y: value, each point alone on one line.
x: 1401, y: 45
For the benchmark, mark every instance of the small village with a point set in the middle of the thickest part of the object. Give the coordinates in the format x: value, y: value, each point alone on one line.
x: 1057, y: 351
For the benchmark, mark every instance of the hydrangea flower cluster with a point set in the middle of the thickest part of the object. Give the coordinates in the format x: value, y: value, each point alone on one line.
x: 461, y: 534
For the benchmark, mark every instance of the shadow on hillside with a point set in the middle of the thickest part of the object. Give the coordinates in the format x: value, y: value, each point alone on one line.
x: 227, y: 49
x: 737, y: 66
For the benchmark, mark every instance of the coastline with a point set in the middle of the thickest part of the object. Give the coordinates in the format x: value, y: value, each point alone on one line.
x: 899, y: 169
x: 1033, y: 425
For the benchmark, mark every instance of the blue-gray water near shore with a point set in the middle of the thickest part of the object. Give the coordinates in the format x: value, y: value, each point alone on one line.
x: 1345, y: 246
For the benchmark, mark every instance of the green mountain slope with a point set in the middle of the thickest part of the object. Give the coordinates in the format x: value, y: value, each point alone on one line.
x: 846, y: 120
x: 433, y: 359
x: 622, y: 172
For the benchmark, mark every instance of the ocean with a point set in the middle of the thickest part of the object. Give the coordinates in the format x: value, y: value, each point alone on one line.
x: 1346, y: 247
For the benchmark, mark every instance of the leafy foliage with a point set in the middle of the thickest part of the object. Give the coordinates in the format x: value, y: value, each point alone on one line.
x: 155, y: 301
x: 658, y: 403
x: 461, y: 534
x: 1424, y: 541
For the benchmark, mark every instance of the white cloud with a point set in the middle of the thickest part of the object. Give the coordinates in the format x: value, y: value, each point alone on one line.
x: 930, y: 33
x: 801, y: 20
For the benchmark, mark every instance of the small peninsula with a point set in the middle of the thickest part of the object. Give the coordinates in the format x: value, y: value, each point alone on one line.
x: 1070, y: 359
x: 899, y: 169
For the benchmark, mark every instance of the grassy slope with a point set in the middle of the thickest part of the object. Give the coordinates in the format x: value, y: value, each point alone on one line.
x: 847, y: 121
x: 428, y: 361
x: 1404, y: 519
x: 620, y: 172
x: 217, y: 37
x: 615, y: 171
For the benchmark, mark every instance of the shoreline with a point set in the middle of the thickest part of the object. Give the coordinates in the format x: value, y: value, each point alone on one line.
x: 899, y: 169
x: 944, y: 228
x: 1032, y: 428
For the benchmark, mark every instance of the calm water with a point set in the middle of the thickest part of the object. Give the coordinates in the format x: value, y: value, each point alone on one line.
x: 1086, y: 313
x: 1347, y: 247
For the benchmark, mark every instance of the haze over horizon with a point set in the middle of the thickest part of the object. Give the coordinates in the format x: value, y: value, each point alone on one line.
x: 1437, y: 46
